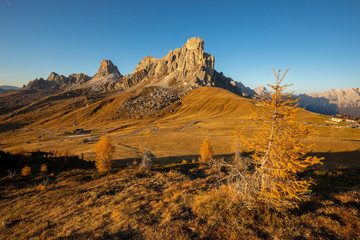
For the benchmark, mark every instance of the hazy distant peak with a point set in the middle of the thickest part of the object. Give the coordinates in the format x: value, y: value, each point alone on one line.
x: 261, y: 91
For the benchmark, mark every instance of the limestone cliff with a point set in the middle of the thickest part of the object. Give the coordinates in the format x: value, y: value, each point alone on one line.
x: 188, y: 68
x: 106, y: 68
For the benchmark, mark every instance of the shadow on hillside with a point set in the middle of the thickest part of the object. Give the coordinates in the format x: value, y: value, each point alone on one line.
x: 333, y: 160
x: 166, y: 160
x: 318, y: 105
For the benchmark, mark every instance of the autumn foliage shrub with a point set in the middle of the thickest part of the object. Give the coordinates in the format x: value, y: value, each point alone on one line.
x: 26, y: 171
x: 103, y: 150
x: 43, y: 168
x: 206, y: 152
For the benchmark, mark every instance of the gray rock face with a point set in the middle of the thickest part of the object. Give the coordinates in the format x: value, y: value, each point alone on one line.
x: 246, y: 91
x: 55, y: 81
x: 188, y: 67
x: 40, y: 84
x: 106, y: 68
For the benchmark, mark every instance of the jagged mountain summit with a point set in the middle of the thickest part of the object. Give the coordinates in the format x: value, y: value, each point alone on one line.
x: 106, y: 68
x: 58, y: 82
x: 105, y: 79
x: 186, y: 68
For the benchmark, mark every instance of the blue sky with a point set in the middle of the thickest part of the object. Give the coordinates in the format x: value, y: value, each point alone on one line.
x: 319, y: 40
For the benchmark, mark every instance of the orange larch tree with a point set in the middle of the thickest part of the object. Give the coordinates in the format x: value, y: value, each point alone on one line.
x: 206, y: 152
x: 104, y: 150
x: 277, y: 153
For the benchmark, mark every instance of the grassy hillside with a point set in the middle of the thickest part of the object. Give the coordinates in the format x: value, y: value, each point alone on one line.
x: 219, y: 112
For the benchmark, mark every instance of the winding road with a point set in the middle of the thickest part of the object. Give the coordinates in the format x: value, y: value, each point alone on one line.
x: 52, y: 133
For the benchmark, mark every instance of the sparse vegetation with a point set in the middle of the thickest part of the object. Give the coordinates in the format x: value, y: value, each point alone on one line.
x: 146, y: 160
x: 172, y: 201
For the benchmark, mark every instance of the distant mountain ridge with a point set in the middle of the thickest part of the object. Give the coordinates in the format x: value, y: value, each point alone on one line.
x: 335, y: 101
x: 7, y: 88
x: 184, y: 69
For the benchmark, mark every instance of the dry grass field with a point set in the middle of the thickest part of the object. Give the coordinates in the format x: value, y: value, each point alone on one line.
x: 173, y: 201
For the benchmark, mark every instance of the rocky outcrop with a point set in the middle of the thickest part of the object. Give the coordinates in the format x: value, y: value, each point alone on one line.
x: 149, y: 102
x: 105, y: 79
x: 107, y: 68
x: 246, y: 91
x: 40, y: 84
x: 188, y: 67
x: 55, y: 81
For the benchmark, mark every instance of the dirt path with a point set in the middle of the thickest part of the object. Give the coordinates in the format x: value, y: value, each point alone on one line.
x: 52, y: 133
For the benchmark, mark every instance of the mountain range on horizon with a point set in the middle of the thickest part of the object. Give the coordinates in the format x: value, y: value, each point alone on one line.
x: 179, y: 72
x: 331, y: 102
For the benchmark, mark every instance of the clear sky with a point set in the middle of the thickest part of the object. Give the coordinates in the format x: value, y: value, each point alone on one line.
x: 319, y: 40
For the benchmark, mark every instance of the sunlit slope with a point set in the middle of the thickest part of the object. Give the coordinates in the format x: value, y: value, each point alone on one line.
x: 211, y: 102
x: 217, y: 103
x: 201, y: 103
x: 101, y: 111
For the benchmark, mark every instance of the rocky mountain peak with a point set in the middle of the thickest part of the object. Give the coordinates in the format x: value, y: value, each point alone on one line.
x: 187, y: 67
x: 52, y: 76
x: 106, y: 68
x: 195, y: 43
x: 261, y: 91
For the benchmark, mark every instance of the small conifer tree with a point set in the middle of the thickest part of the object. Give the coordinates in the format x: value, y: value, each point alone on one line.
x: 206, y: 152
x: 104, y: 150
